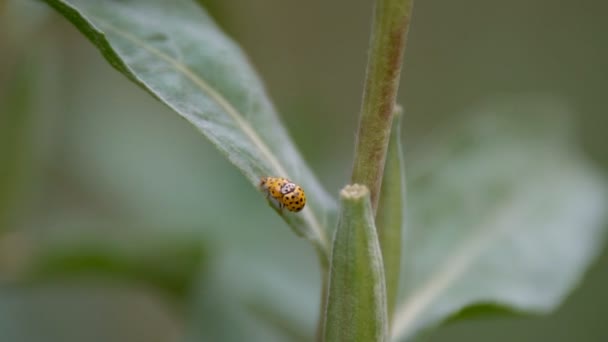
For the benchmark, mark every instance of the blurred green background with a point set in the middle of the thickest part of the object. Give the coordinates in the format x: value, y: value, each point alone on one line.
x: 85, y: 155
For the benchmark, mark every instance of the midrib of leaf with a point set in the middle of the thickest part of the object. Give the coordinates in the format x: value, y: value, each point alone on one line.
x: 205, y: 87
x: 482, y: 237
x: 228, y: 108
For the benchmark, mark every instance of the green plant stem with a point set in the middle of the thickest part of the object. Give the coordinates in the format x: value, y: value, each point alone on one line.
x: 391, y: 21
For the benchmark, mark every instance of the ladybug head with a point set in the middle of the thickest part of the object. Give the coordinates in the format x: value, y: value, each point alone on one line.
x: 263, y: 181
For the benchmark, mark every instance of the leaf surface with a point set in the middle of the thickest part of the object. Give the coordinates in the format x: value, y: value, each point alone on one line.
x: 503, y: 211
x: 175, y: 51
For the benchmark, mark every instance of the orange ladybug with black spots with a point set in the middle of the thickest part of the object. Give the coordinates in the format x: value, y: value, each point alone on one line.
x: 284, y: 193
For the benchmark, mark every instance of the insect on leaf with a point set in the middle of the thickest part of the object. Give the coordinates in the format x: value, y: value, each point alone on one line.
x: 175, y: 51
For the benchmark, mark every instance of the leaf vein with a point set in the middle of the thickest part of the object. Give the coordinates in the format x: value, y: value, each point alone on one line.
x: 309, y: 216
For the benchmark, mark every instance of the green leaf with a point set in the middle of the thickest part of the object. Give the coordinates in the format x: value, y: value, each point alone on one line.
x: 356, y: 302
x: 503, y: 211
x: 167, y: 261
x: 175, y: 51
x: 389, y: 216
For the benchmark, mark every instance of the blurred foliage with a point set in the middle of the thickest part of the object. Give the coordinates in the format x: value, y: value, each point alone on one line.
x: 14, y: 140
x: 165, y: 261
x: 523, y: 220
x: 124, y: 161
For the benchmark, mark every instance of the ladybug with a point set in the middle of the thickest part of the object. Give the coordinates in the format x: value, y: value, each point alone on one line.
x: 283, y: 193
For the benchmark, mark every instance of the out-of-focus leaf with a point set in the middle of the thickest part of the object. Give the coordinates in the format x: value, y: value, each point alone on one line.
x: 175, y: 51
x: 163, y: 260
x: 85, y: 312
x: 356, y: 301
x: 15, y: 110
x: 220, y: 315
x: 288, y: 327
x: 389, y: 216
x: 503, y: 211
